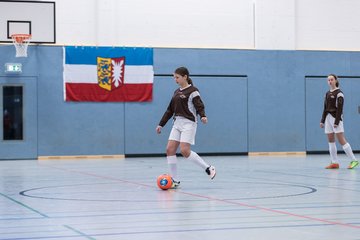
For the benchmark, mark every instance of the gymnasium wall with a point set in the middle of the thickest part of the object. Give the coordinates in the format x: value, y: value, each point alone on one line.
x: 255, y: 100
x: 229, y: 24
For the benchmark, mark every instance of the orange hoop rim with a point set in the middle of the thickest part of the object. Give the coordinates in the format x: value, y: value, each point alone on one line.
x: 19, y: 38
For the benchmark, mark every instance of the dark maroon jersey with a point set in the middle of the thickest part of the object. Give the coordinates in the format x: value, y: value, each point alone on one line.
x: 185, y: 103
x: 333, y: 104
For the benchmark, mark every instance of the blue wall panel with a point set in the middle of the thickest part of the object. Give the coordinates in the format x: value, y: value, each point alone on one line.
x: 316, y: 88
x: 354, y: 63
x: 256, y: 101
x: 276, y: 98
x: 68, y: 128
x: 141, y: 120
x: 320, y: 63
x: 203, y: 61
x: 226, y: 109
x: 352, y: 113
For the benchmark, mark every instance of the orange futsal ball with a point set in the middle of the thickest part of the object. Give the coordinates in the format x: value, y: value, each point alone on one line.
x: 164, y: 181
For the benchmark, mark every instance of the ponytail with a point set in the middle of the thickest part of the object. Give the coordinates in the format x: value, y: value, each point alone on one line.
x: 189, y: 80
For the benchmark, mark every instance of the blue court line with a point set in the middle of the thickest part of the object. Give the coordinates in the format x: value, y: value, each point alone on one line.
x: 138, y: 213
x: 23, y: 205
x: 20, y: 219
x: 175, y: 231
x: 215, y: 229
x: 308, y: 176
x: 162, y: 213
x: 47, y: 237
x: 81, y: 233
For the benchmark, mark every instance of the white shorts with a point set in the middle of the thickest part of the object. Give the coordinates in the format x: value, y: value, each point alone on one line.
x: 329, y: 125
x: 183, y: 130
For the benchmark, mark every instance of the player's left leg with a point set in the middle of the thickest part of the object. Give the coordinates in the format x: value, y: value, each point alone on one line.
x: 195, y: 158
x: 347, y: 149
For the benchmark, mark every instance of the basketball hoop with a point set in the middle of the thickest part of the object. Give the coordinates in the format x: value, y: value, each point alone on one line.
x: 21, y: 42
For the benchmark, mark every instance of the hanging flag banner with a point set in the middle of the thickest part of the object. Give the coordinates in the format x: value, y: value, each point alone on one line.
x: 108, y: 74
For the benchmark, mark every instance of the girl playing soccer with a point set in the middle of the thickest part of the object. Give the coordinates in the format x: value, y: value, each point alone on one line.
x: 184, y: 107
x: 333, y: 123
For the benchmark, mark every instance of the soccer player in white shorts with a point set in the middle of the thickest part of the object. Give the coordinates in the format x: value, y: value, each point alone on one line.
x: 184, y: 107
x: 332, y: 120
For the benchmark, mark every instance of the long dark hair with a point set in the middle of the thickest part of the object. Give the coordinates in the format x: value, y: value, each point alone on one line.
x: 183, y: 71
x: 336, y: 78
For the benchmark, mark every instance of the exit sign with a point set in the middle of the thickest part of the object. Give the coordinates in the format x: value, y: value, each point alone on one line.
x: 13, y: 67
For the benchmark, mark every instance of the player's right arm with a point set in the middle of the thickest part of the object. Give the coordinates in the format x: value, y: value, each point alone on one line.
x: 322, y: 121
x: 165, y: 118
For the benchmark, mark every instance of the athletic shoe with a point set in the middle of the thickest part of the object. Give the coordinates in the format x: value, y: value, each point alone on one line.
x: 353, y: 164
x: 333, y: 166
x: 175, y: 184
x: 211, y: 172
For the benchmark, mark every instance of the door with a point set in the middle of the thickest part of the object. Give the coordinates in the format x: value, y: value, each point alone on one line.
x: 316, y: 87
x: 18, y: 124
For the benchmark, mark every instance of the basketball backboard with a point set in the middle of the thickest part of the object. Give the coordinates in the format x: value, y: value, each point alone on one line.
x: 28, y: 17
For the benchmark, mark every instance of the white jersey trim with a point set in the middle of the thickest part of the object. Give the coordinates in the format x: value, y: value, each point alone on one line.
x: 191, y: 104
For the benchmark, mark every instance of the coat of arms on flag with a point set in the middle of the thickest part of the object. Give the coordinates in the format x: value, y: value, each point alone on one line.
x: 110, y: 72
x: 106, y: 74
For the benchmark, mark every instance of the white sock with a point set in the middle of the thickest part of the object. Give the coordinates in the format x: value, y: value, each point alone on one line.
x: 333, y: 152
x: 172, y: 163
x: 194, y: 157
x: 347, y: 149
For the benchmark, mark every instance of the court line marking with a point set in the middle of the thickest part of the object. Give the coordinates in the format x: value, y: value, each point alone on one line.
x: 216, y: 199
x: 24, y: 205
x: 168, y: 231
x: 303, y: 175
x: 79, y: 232
x: 307, y: 176
x: 27, y: 193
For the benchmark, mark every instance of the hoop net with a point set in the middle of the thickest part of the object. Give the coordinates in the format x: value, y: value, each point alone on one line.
x: 21, y: 43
